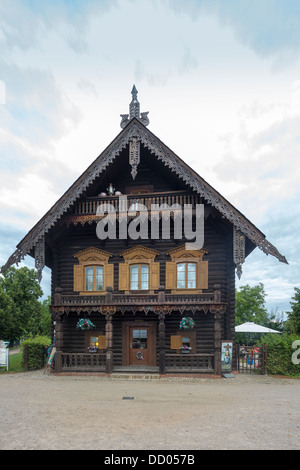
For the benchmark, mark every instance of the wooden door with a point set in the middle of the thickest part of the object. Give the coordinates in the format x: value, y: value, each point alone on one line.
x: 140, y: 345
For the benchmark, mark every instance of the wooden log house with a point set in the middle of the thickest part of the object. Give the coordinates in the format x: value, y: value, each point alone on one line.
x: 138, y: 290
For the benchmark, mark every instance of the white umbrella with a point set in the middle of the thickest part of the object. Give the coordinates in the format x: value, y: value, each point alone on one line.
x: 250, y: 327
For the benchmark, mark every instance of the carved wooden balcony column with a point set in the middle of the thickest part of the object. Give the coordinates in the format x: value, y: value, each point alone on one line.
x: 217, y: 337
x: 59, y: 341
x: 108, y: 311
x: 162, y: 311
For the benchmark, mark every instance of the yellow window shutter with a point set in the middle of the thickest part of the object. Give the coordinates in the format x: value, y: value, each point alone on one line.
x: 176, y: 342
x: 154, y: 276
x: 78, y: 278
x: 108, y: 276
x: 203, y: 275
x: 102, y: 342
x: 123, y: 276
x: 170, y: 275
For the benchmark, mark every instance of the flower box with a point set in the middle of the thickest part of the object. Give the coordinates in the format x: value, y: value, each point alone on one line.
x: 187, y: 323
x: 84, y: 324
x: 185, y: 350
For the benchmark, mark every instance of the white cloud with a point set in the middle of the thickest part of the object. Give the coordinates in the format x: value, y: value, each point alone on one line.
x: 271, y: 28
x: 205, y: 72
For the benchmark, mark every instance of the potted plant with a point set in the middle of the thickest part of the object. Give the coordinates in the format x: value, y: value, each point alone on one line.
x: 85, y: 324
x: 187, y: 323
x: 185, y: 349
x: 93, y: 349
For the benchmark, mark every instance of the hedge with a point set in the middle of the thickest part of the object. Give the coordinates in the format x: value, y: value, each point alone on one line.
x: 36, y: 352
x: 280, y: 352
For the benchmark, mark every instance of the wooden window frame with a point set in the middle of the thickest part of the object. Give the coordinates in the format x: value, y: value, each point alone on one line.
x: 186, y: 263
x: 139, y: 265
x: 176, y: 340
x: 92, y: 257
x: 139, y: 255
x: 181, y: 255
x: 101, y: 339
x: 94, y: 266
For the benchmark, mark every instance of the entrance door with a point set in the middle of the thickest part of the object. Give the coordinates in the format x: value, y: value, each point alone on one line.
x: 139, y: 345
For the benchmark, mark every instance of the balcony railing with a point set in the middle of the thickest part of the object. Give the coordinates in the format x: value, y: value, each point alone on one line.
x: 189, y: 363
x: 79, y: 362
x: 94, y: 362
x: 90, y: 205
x: 161, y: 298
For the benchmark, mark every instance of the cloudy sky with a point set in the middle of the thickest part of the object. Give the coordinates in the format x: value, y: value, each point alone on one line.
x: 221, y: 82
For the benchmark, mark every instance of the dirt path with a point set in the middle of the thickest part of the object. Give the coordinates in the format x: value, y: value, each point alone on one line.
x: 60, y: 412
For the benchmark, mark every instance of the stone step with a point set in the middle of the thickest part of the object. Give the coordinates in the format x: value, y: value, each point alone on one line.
x: 133, y: 376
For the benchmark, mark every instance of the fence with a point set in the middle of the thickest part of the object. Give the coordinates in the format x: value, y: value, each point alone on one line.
x: 251, y: 359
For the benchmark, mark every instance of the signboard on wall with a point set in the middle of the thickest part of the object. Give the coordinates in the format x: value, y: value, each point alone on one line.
x: 226, y: 356
x: 3, y: 355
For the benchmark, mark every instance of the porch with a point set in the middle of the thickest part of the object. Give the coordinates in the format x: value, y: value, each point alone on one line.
x: 101, y: 363
x: 147, y: 322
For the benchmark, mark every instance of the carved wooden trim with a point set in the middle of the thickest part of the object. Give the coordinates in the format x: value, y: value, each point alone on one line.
x: 238, y: 250
x: 181, y: 253
x: 136, y: 130
x: 138, y: 253
x: 92, y: 255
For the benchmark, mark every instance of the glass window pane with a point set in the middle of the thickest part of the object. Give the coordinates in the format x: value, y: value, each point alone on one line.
x: 186, y: 341
x: 144, y: 277
x: 192, y: 267
x: 139, y: 339
x: 134, y: 277
x: 94, y: 341
x: 134, y: 269
x: 180, y: 284
x: 99, y: 278
x: 89, y: 278
x: 191, y: 276
x: 180, y: 275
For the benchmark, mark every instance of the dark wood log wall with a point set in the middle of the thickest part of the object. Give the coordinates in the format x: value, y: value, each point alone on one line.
x: 218, y: 242
x: 221, y: 272
x: 74, y: 340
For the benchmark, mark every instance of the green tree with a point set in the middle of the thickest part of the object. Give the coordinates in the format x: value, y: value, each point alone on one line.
x: 45, y: 323
x: 6, y: 315
x: 250, y: 305
x: 293, y: 322
x: 22, y: 287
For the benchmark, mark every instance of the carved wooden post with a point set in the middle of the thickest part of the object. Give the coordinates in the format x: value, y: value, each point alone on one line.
x: 58, y: 296
x: 58, y: 343
x: 162, y: 311
x: 108, y: 295
x: 162, y: 345
x: 109, y: 353
x: 217, y: 335
x: 217, y: 293
x: 108, y: 311
x: 161, y: 295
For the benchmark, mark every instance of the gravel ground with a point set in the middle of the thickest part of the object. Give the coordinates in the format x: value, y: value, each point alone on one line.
x: 49, y: 412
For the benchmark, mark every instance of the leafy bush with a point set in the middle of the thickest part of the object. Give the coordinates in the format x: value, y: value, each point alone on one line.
x: 36, y: 355
x: 280, y: 353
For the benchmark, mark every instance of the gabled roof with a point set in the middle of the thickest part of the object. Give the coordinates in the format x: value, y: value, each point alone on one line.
x: 136, y: 130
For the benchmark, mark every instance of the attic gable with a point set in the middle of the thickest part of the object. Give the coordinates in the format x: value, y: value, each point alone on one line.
x: 130, y: 140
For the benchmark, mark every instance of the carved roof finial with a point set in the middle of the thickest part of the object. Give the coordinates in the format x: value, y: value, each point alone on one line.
x: 134, y: 93
x: 134, y: 111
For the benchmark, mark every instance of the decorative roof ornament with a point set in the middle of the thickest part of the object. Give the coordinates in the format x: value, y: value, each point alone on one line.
x: 134, y: 111
x: 238, y: 250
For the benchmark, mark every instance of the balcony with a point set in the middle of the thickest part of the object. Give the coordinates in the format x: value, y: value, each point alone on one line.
x: 90, y: 205
x: 96, y: 363
x: 210, y: 301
